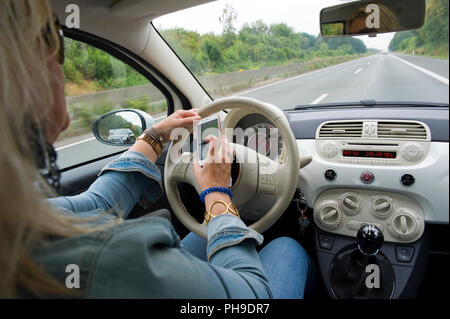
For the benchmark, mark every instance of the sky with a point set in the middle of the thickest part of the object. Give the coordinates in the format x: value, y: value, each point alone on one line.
x: 302, y: 15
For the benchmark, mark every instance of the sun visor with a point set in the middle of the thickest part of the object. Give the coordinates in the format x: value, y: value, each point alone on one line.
x: 135, y: 9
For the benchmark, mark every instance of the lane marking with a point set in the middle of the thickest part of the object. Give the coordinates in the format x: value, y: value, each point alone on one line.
x: 295, y: 77
x: 74, y: 144
x: 319, y: 99
x: 432, y: 74
x: 359, y: 70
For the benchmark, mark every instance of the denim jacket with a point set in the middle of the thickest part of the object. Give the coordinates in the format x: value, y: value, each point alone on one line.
x: 143, y: 258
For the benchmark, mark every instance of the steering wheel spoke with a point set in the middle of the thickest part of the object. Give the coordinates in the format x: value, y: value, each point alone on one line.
x: 258, y: 174
x: 267, y: 176
x: 190, y: 178
x: 178, y: 168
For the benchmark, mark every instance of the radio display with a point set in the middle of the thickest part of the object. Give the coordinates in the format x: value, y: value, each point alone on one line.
x: 370, y: 154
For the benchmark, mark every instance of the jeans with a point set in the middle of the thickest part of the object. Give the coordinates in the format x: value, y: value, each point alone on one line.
x: 286, y: 264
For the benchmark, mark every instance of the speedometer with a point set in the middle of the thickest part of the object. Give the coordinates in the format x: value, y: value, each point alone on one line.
x: 265, y: 139
x: 260, y: 143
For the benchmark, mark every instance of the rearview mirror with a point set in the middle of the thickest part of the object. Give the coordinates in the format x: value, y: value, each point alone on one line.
x: 121, y: 127
x: 372, y: 17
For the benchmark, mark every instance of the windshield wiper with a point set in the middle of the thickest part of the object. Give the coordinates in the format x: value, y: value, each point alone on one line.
x: 369, y: 103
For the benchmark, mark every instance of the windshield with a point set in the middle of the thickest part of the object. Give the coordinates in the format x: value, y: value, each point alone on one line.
x: 273, y: 51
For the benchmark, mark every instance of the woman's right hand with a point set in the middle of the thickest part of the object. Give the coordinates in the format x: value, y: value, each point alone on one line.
x: 216, y: 172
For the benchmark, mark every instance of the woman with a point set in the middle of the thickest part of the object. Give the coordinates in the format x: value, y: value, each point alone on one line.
x: 42, y: 239
x: 357, y: 24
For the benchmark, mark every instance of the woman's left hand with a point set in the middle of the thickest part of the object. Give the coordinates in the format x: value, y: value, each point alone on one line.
x: 179, y: 119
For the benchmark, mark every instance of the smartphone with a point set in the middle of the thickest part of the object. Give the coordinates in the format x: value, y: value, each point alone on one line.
x: 204, y: 128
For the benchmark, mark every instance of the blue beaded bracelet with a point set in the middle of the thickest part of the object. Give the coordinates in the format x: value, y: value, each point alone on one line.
x: 215, y: 190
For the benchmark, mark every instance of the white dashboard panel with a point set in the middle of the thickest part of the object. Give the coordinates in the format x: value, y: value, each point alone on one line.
x: 430, y: 190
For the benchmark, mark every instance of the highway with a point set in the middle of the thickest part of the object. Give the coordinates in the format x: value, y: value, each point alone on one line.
x: 380, y: 77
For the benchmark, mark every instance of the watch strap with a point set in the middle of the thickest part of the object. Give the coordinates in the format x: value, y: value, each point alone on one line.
x: 156, y: 136
x: 152, y: 142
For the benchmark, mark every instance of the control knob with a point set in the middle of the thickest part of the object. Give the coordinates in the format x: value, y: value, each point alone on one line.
x: 412, y: 152
x: 329, y: 149
x: 351, y: 203
x: 328, y: 215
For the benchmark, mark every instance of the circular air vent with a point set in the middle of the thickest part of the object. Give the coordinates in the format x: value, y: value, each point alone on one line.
x: 382, y: 206
x: 404, y: 224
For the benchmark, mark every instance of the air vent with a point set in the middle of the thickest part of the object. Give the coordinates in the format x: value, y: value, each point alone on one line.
x: 341, y: 130
x: 402, y: 130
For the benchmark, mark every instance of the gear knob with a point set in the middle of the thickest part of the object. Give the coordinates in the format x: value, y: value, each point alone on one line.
x: 370, y: 238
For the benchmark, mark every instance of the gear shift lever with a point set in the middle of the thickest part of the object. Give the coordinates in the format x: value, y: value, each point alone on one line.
x: 370, y: 238
x: 348, y: 270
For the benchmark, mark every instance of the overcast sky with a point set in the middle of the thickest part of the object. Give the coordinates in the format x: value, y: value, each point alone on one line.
x: 302, y: 15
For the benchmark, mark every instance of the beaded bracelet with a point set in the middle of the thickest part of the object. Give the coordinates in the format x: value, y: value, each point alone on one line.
x: 215, y: 190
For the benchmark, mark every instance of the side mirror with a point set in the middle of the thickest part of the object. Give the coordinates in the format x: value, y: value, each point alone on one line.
x: 121, y: 127
x: 370, y: 17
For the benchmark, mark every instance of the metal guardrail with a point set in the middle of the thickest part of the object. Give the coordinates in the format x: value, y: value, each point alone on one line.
x: 220, y: 84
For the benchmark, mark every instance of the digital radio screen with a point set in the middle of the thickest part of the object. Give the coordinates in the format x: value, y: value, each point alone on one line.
x: 371, y: 154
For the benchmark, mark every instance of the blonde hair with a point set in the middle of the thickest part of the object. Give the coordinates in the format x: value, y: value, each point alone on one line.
x: 26, y: 219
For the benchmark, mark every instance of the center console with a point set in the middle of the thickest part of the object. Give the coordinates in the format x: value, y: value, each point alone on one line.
x: 356, y: 229
x: 345, y: 272
x: 369, y: 225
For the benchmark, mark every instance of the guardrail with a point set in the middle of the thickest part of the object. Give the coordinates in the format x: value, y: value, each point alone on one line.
x: 216, y: 85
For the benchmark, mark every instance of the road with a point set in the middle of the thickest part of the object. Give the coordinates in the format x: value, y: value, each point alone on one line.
x: 381, y: 77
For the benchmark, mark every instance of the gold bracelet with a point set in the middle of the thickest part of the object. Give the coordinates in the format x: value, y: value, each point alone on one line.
x: 210, y: 216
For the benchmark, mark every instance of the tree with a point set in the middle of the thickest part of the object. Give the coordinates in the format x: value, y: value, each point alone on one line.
x: 432, y: 38
x: 399, y: 37
x: 214, y: 54
x: 281, y: 30
x: 228, y: 19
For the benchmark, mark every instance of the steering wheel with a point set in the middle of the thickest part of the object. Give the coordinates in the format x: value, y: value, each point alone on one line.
x: 258, y: 174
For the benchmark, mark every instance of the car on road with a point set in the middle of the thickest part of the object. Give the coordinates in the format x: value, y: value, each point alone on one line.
x: 121, y: 136
x: 352, y: 146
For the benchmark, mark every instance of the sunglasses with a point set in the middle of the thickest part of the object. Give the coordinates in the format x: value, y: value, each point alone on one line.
x: 52, y: 44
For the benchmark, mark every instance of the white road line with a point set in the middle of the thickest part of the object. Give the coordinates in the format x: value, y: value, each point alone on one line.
x: 296, y: 77
x: 77, y: 143
x: 432, y: 74
x: 359, y: 70
x: 319, y: 99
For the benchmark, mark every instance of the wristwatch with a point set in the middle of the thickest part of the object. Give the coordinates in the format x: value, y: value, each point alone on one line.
x: 154, y: 139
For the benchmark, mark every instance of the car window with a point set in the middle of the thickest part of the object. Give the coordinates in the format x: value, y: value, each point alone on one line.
x: 97, y: 83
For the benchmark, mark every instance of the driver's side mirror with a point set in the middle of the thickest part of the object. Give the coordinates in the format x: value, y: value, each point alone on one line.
x: 121, y: 127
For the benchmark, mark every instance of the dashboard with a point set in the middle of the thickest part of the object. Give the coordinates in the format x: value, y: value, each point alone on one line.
x: 258, y: 133
x: 390, y: 171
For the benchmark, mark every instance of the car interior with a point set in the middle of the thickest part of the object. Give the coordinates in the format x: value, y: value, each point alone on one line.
x: 339, y: 171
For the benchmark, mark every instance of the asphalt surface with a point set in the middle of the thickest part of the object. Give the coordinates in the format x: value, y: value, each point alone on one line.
x: 380, y: 77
